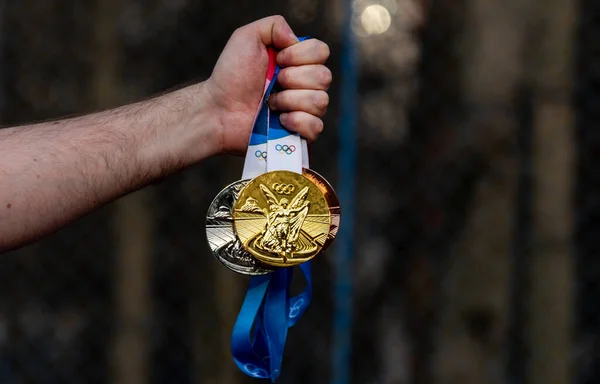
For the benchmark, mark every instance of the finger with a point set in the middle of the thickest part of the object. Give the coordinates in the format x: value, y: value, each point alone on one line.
x: 275, y: 31
x: 305, y: 100
x: 307, y: 125
x: 317, y: 77
x: 311, y: 51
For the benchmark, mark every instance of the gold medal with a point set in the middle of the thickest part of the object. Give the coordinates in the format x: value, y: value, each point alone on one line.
x: 282, y: 218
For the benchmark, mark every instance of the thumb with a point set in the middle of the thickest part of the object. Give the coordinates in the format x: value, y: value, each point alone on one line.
x: 275, y: 31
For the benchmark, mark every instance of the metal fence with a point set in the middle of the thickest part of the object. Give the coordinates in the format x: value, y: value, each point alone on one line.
x: 475, y: 209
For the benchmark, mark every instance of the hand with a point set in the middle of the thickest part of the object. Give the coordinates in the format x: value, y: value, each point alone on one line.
x: 237, y: 82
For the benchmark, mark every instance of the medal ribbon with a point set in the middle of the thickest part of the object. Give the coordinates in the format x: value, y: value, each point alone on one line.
x: 260, y: 332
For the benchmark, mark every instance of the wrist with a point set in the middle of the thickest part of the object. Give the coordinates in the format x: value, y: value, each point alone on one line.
x: 184, y: 128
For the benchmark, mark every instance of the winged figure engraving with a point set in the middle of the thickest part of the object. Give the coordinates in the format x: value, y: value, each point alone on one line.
x: 284, y: 221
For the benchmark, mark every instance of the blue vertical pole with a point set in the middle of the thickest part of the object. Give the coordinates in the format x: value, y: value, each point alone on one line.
x: 342, y: 321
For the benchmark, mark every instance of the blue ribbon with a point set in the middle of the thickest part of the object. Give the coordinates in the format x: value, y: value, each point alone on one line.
x: 260, y: 331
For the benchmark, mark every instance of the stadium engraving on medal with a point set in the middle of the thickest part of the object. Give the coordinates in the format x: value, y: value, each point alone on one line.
x: 282, y: 218
x: 332, y: 201
x: 221, y: 236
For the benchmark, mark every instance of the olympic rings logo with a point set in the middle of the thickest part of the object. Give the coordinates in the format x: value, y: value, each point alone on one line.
x: 283, y: 189
x: 260, y: 155
x: 285, y: 149
x: 255, y: 371
x: 296, y: 308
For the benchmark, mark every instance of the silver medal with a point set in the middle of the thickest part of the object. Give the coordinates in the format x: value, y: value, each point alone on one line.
x: 221, y: 236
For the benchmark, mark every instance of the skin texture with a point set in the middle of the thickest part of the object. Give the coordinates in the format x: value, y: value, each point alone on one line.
x: 52, y: 173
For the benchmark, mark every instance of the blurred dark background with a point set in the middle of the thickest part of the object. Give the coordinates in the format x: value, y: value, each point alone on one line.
x: 477, y: 205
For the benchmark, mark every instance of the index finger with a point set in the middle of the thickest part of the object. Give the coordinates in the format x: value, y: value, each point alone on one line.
x: 311, y: 51
x: 275, y: 31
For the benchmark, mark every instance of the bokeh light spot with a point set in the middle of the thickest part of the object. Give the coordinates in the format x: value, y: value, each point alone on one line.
x: 376, y: 19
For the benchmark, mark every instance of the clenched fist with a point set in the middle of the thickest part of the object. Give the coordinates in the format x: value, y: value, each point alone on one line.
x: 237, y: 82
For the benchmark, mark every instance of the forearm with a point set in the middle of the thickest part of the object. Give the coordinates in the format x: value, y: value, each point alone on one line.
x: 52, y: 173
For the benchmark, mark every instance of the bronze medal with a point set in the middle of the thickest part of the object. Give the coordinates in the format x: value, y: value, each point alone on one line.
x: 332, y: 201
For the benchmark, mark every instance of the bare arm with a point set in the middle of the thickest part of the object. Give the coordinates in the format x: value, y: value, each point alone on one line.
x: 54, y: 172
